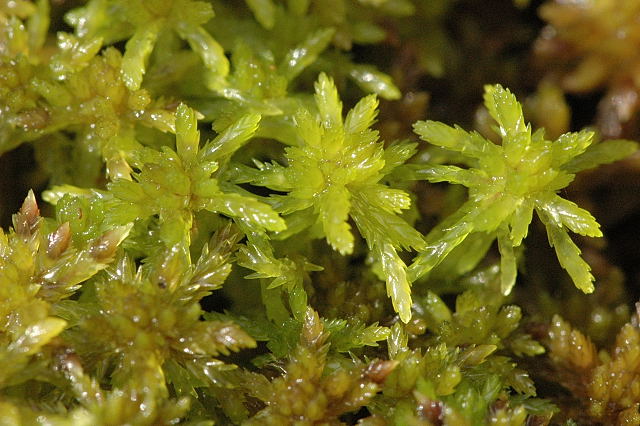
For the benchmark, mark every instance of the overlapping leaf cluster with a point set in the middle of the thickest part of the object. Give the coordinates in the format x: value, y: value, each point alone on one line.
x: 309, y: 392
x: 334, y: 174
x: 459, y: 367
x: 224, y: 243
x: 605, y: 382
x: 508, y: 182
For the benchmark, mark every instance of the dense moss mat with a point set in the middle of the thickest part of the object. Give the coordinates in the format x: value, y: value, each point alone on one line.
x: 319, y: 212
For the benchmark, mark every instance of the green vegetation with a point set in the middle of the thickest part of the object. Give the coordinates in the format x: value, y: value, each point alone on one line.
x: 270, y: 213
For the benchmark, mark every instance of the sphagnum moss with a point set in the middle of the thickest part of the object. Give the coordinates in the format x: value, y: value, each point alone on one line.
x: 221, y: 235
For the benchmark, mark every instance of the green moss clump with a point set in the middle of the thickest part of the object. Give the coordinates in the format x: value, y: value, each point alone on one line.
x: 232, y: 221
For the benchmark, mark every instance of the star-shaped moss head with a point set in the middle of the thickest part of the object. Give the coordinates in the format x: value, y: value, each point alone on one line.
x: 508, y: 182
x: 337, y: 173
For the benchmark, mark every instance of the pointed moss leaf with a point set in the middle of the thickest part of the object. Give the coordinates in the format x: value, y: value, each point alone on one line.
x: 454, y: 138
x: 257, y: 255
x: 209, y: 50
x: 435, y: 311
x: 494, y: 213
x: 441, y: 241
x: 464, y: 258
x: 508, y: 265
x: 181, y: 379
x: 298, y: 302
x: 571, y: 145
x: 38, y: 25
x: 441, y: 173
x: 567, y: 213
x: 266, y: 174
x: 515, y: 147
x: 520, y: 222
x: 193, y: 12
x: 478, y: 355
x: 378, y: 224
x: 137, y: 50
x: 74, y: 54
x: 187, y: 134
x: 86, y: 19
x: 126, y: 190
x: 308, y: 128
x: 54, y: 93
x: 215, y: 337
x: 372, y: 80
x: 524, y: 344
x: 232, y: 138
x: 214, y: 264
x: 505, y: 109
x: 398, y: 286
x: 286, y: 334
x: 348, y: 335
x: 397, y: 341
x: 396, y: 154
x: 264, y: 11
x: 538, y: 406
x: 297, y: 222
x: 328, y: 102
x: 37, y: 335
x: 306, y: 53
x: 390, y: 199
x: 569, y: 255
x: 601, y: 153
x: 334, y: 206
x: 362, y: 115
x: 250, y: 209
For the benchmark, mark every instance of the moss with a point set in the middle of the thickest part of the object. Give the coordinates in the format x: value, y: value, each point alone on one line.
x: 254, y: 213
x: 604, y: 383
